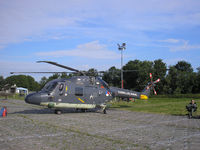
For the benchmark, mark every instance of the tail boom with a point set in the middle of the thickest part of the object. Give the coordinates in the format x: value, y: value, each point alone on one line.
x: 124, y: 93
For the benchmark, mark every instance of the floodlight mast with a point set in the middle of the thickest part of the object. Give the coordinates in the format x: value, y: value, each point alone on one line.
x: 121, y: 48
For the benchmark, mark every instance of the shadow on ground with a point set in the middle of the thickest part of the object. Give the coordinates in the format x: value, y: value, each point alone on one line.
x: 186, y: 115
x: 51, y: 111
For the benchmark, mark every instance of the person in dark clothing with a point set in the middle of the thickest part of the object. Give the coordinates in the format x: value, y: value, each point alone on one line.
x: 191, y: 107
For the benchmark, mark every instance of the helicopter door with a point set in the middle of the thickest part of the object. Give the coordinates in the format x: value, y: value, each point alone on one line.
x: 60, y: 92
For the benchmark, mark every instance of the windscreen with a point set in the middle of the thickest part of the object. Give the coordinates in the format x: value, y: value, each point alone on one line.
x: 49, y: 87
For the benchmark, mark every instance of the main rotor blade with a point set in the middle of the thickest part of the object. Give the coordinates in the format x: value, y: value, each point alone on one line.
x: 39, y: 72
x: 130, y: 70
x: 59, y: 65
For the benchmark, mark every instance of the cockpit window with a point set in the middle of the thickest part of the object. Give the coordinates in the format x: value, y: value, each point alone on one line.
x: 92, y: 80
x: 50, y: 86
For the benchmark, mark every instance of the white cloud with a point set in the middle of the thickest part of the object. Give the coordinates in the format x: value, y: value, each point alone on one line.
x: 93, y: 50
x: 21, y: 20
x: 175, y: 45
x: 183, y: 46
x: 170, y: 40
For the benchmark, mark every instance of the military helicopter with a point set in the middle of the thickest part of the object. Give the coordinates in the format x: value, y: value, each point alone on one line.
x: 81, y: 92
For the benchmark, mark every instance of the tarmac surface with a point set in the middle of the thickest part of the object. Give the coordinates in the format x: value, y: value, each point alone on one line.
x: 29, y: 127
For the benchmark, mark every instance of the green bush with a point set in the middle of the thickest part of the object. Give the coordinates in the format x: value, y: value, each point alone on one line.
x: 196, y: 96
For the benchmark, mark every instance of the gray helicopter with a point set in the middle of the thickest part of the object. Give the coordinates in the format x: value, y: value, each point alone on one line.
x: 82, y: 92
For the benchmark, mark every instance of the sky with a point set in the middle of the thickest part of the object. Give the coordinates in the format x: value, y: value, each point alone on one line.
x: 84, y: 34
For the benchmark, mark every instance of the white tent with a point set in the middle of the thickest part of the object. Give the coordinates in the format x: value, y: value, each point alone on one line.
x: 21, y: 90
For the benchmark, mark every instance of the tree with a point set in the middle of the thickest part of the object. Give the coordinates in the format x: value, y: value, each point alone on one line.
x: 139, y: 77
x: 159, y: 71
x: 198, y: 70
x: 2, y: 82
x: 146, y: 67
x: 54, y: 76
x: 64, y: 75
x: 23, y: 81
x: 32, y: 84
x: 112, y: 76
x: 43, y: 81
x: 92, y: 72
x: 172, y: 80
x: 131, y: 78
x: 181, y: 78
x: 196, y: 87
x: 19, y: 80
x: 184, y: 66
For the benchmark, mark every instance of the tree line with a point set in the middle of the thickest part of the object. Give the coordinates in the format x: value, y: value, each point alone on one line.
x: 177, y: 79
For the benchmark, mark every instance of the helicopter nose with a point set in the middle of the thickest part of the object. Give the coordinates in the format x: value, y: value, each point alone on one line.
x: 33, y: 98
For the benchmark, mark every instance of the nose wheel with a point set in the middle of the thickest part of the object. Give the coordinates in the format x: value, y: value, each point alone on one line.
x: 58, y: 112
x: 103, y: 107
x: 104, y: 111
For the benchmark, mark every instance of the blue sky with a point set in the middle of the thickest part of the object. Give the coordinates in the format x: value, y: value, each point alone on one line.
x: 84, y: 33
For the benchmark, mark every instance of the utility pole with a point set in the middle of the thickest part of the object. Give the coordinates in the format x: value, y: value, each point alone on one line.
x: 121, y: 48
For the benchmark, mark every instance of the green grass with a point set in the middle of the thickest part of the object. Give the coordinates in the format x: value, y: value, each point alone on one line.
x: 172, y: 106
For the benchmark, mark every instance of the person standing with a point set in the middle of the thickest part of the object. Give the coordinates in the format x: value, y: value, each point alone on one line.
x: 191, y: 107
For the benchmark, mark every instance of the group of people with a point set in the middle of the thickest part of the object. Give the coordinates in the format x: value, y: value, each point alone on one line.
x: 191, y: 107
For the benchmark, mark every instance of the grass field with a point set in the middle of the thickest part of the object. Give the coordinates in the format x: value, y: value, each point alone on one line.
x: 172, y: 106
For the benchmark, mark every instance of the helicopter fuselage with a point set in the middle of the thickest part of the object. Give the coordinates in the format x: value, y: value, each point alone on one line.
x: 82, y: 92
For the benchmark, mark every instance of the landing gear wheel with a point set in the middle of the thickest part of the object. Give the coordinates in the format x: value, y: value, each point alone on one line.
x: 104, y: 111
x: 83, y: 110
x: 58, y: 112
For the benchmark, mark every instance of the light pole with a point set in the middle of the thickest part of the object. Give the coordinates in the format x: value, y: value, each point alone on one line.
x: 121, y: 48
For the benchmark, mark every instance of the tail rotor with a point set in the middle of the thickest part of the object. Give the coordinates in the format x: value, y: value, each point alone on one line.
x: 152, y: 83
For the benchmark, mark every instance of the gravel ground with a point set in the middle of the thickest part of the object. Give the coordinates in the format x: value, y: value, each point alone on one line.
x: 29, y: 127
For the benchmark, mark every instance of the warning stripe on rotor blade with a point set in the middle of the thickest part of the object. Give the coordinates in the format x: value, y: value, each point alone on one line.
x: 150, y: 75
